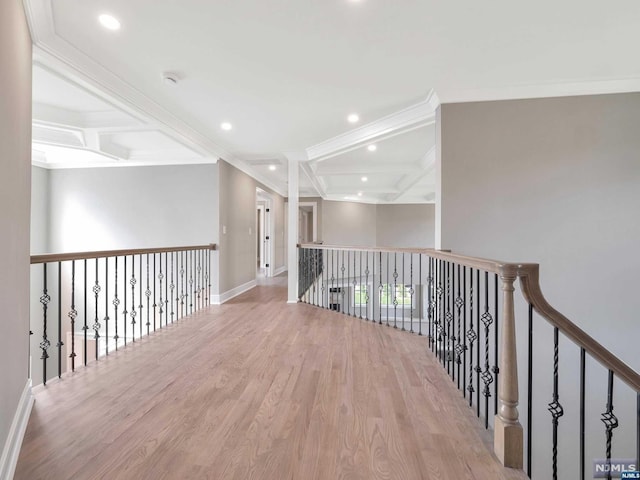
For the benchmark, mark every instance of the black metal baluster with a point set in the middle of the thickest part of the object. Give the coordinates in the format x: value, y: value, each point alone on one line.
x: 464, y: 332
x: 411, y: 292
x: 45, y: 299
x: 395, y: 290
x: 404, y: 290
x: 555, y: 407
x: 448, y: 317
x: 85, y: 327
x: 471, y: 337
x: 610, y: 421
x: 106, y: 306
x: 191, y: 293
x: 530, y: 394
x: 172, y: 286
x: 161, y: 304
x: 487, y: 378
x: 459, y: 348
x: 208, y: 276
x: 155, y: 303
x: 348, y: 287
x: 124, y: 297
x: 355, y: 283
x: 496, y: 369
x: 387, y: 284
x: 198, y: 277
x: 478, y: 367
x: 147, y: 293
x: 116, y: 303
x: 133, y: 313
x: 380, y: 293
x: 96, y: 323
x: 60, y: 343
x: 430, y: 298
x: 582, y: 412
x: 421, y: 296
x: 140, y: 306
x: 360, y: 278
x: 73, y: 313
x: 441, y: 311
x: 181, y: 313
x: 342, y: 269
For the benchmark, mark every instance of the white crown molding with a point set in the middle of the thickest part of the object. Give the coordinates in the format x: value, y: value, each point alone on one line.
x: 403, y: 121
x: 315, y: 181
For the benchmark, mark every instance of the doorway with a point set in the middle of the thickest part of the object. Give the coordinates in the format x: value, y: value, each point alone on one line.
x: 265, y: 225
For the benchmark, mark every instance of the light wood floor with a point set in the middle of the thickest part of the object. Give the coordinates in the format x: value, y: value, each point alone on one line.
x: 260, y: 389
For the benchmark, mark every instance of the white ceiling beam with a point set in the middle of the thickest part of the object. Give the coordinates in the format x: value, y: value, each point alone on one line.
x: 383, y: 190
x: 397, y: 168
x: 415, y: 116
x: 317, y: 185
x: 410, y: 181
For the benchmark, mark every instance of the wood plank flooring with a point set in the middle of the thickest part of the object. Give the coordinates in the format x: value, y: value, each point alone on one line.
x: 258, y: 389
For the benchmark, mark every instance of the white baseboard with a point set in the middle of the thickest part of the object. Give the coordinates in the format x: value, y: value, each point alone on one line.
x: 12, y: 446
x: 234, y: 292
x: 279, y: 270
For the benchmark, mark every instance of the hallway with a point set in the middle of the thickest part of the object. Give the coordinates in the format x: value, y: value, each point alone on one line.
x: 257, y: 388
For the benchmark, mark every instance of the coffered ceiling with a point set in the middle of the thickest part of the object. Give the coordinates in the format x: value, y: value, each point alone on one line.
x: 285, y: 74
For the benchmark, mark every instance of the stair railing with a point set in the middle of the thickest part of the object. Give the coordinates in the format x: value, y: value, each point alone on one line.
x: 104, y: 300
x: 454, y: 301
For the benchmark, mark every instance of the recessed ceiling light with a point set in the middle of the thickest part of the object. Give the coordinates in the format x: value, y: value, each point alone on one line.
x: 359, y: 194
x: 272, y: 167
x: 364, y: 179
x: 353, y: 118
x: 109, y: 21
x: 372, y: 148
x: 226, y: 126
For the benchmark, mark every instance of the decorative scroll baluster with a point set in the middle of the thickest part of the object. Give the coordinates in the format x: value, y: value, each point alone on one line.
x: 459, y: 348
x: 73, y: 313
x: 140, y: 295
x: 411, y: 292
x: 182, y: 295
x: 354, y: 283
x: 161, y: 301
x: 495, y: 369
x: 85, y: 327
x: 380, y: 288
x: 487, y: 378
x: 440, y: 311
x: 610, y: 422
x: 96, y: 322
x: 421, y: 297
x: 387, y: 284
x: 124, y: 297
x: 448, y: 318
x: 431, y: 306
x: 155, y: 303
x: 133, y: 313
x: 147, y: 293
x: 555, y: 407
x: 404, y: 292
x: 342, y: 270
x: 116, y: 303
x: 478, y: 367
x: 106, y: 306
x: 172, y: 287
x: 198, y: 276
x: 395, y: 290
x: 366, y: 286
x: 191, y: 294
x: 60, y: 343
x: 471, y: 337
x: 464, y: 332
x: 45, y: 299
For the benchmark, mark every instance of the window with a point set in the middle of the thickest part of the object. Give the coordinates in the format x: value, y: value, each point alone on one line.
x: 360, y: 295
x: 399, y: 292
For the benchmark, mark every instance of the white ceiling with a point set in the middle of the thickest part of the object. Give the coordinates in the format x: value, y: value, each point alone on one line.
x: 287, y: 73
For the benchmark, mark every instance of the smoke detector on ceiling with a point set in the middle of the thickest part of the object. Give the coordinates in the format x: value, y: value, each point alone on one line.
x: 171, y: 79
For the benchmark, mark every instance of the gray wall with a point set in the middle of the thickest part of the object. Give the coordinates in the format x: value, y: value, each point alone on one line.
x: 15, y: 164
x: 349, y: 223
x: 40, y: 193
x: 238, y: 214
x: 405, y: 225
x: 137, y: 207
x: 555, y: 181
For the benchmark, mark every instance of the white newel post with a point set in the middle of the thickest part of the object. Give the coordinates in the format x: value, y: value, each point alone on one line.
x: 292, y: 230
x: 508, y: 443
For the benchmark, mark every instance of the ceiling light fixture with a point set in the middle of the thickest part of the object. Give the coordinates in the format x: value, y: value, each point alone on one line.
x: 226, y: 126
x: 109, y: 21
x: 364, y: 179
x: 359, y: 194
x: 353, y: 118
x: 272, y: 167
x: 372, y: 148
x: 170, y: 79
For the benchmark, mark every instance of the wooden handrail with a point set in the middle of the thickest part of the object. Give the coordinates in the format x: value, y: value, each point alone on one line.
x: 529, y: 276
x: 64, y: 257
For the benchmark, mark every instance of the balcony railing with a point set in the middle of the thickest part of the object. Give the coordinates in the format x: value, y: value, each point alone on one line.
x: 88, y: 304
x: 466, y: 308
